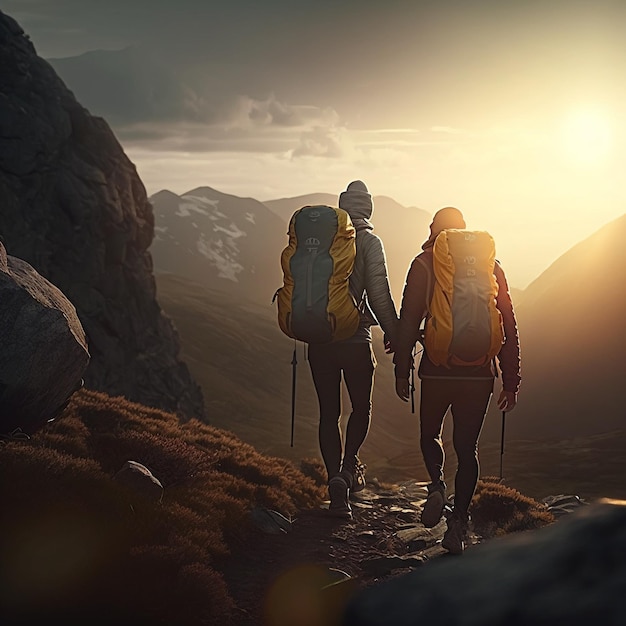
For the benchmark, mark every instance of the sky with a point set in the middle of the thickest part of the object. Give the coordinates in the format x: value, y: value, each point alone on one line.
x: 515, y: 112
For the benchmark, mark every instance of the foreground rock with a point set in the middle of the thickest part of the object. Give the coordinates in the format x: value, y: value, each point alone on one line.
x: 570, y: 572
x: 44, y: 350
x: 74, y: 208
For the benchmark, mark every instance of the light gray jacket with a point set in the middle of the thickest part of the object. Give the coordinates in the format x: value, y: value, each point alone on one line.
x: 369, y: 282
x: 369, y: 285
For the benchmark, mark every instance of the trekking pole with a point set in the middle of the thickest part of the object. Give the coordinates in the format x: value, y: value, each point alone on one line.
x: 294, y: 362
x: 502, y: 443
x: 413, y: 383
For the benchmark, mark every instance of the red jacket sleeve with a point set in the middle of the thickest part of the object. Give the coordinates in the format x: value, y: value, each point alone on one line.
x: 509, y: 356
x: 412, y: 312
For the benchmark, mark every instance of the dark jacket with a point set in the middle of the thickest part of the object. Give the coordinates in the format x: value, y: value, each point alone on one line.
x: 413, y: 311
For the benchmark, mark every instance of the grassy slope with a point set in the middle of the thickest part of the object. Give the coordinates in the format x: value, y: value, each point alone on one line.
x: 79, y: 546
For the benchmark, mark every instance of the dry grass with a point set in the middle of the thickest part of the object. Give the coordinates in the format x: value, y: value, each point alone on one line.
x: 78, y: 544
x: 499, y: 510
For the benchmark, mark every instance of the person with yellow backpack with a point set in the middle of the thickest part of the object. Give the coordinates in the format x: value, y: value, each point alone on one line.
x: 456, y: 302
x: 336, y: 287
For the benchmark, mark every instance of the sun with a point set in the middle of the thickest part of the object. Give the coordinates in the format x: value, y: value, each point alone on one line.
x: 586, y: 136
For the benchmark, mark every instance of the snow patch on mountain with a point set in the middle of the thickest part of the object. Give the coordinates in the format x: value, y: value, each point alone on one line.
x: 232, y: 231
x: 200, y: 205
x: 185, y: 209
x: 222, y: 255
x: 220, y: 240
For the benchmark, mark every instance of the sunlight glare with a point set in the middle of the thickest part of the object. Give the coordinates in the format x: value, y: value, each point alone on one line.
x: 587, y: 136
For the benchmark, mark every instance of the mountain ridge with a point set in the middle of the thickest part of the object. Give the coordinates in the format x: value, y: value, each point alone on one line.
x: 572, y: 323
x: 236, y: 245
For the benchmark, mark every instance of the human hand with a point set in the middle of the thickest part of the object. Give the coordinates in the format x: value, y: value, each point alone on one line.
x: 507, y: 400
x: 389, y: 347
x: 402, y: 389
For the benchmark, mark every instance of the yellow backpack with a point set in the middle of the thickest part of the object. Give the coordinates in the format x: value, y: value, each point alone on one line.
x: 315, y: 304
x: 463, y: 324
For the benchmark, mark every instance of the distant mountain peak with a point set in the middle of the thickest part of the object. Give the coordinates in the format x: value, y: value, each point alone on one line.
x: 220, y: 241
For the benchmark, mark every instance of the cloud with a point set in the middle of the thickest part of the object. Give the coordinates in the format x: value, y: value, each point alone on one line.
x: 248, y: 126
x: 188, y: 137
x: 320, y: 142
x: 246, y: 111
x: 148, y: 103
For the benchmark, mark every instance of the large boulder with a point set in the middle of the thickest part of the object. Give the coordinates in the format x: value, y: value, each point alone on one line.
x: 44, y: 349
x: 571, y: 572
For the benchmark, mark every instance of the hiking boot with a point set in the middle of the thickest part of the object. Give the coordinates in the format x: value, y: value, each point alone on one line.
x: 354, y: 473
x: 434, y: 505
x: 455, y: 537
x: 338, y: 491
x: 358, y: 477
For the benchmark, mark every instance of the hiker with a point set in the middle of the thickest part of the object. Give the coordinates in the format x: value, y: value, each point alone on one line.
x: 369, y: 284
x: 466, y: 389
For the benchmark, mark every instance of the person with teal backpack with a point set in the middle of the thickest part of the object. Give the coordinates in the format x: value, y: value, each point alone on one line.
x: 313, y: 306
x: 459, y: 290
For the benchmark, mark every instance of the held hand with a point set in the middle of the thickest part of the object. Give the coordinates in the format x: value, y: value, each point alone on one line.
x: 402, y: 389
x: 507, y: 400
x: 389, y: 347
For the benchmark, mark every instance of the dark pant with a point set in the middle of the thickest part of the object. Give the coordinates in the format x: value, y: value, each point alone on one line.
x: 327, y: 361
x: 469, y: 400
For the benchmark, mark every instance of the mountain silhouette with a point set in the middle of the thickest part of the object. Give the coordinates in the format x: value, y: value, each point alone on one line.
x: 572, y: 322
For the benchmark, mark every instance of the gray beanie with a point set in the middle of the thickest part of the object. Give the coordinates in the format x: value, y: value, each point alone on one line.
x: 357, y: 185
x: 356, y: 200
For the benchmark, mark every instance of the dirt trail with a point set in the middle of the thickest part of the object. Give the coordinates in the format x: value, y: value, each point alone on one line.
x: 274, y: 577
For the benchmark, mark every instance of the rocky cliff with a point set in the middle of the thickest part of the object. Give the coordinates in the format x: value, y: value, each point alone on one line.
x: 73, y: 206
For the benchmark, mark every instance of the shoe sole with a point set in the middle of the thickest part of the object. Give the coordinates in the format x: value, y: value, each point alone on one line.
x: 433, y: 509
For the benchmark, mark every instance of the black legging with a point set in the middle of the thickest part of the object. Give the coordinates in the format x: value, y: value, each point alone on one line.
x: 469, y: 400
x: 327, y: 361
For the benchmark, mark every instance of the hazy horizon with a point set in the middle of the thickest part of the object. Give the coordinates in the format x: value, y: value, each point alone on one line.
x: 513, y: 112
